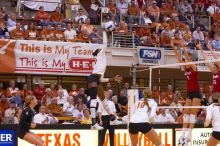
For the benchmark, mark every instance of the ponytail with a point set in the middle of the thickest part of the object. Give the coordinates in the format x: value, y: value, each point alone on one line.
x: 147, y: 94
x: 216, y: 98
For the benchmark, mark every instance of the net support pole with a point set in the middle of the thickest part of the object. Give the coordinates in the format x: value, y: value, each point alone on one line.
x: 134, y: 75
x: 150, y: 77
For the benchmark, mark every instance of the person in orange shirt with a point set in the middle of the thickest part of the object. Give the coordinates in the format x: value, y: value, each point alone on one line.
x: 42, y: 17
x: 122, y: 27
x: 74, y: 90
x: 154, y: 11
x: 54, y: 108
x: 83, y: 37
x: 47, y: 33
x: 164, y: 10
x: 58, y: 33
x: 87, y: 27
x: 31, y: 33
x: 53, y: 90
x: 18, y: 33
x: 112, y: 7
x: 144, y: 33
x: 56, y: 18
x: 133, y: 13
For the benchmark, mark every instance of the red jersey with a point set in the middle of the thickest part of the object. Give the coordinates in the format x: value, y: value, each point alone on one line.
x: 192, y: 80
x: 216, y: 82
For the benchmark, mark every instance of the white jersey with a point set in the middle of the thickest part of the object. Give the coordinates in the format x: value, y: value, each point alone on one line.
x: 100, y: 65
x: 141, y: 113
x: 213, y: 114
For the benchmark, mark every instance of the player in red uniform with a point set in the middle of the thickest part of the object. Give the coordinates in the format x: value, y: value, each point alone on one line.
x: 214, y: 68
x: 193, y: 95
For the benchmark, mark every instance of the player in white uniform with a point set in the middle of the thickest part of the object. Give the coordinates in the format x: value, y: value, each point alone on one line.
x: 143, y: 113
x: 94, y: 83
x: 213, y: 115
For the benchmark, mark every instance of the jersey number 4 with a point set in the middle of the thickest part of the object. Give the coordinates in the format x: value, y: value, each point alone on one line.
x: 141, y: 105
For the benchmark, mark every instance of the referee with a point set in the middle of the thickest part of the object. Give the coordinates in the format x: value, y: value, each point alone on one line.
x: 104, y: 119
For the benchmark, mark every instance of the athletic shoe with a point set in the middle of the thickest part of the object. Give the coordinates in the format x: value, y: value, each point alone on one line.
x: 181, y: 140
x: 186, y: 141
x: 115, y: 122
x: 112, y: 117
x: 96, y: 127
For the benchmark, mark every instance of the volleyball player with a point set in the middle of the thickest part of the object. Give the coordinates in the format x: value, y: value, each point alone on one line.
x: 94, y: 83
x: 213, y: 115
x: 193, y: 95
x: 214, y: 68
x: 144, y: 111
x: 26, y: 123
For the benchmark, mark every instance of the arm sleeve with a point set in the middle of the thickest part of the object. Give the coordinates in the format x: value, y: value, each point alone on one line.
x: 37, y: 120
x: 104, y: 80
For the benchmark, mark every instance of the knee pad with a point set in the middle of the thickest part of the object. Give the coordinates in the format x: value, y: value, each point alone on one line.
x: 186, y: 118
x: 92, y: 92
x: 192, y: 118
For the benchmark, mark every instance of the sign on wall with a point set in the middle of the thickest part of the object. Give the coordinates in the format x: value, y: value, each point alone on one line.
x: 45, y: 57
x: 150, y: 55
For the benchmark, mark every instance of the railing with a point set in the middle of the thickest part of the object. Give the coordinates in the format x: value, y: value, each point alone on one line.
x: 122, y: 40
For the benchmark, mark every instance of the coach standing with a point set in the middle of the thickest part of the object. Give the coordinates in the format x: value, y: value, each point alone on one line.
x: 104, y: 119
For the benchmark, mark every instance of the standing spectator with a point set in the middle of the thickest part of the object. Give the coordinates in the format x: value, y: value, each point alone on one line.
x: 39, y: 91
x: 11, y: 90
x: 87, y: 119
x: 10, y: 112
x: 199, y: 6
x: 112, y: 7
x: 3, y: 31
x: 11, y: 23
x: 154, y: 11
x: 56, y: 18
x: 70, y: 34
x: 164, y: 117
x: 47, y: 33
x: 68, y: 107
x: 133, y: 13
x: 93, y: 12
x: 104, y: 119
x: 46, y: 99
x: 212, y: 8
x: 43, y: 118
x: 18, y: 33
x: 61, y: 99
x: 198, y: 35
x: 122, y: 8
x: 58, y: 33
x: 31, y: 33
x: 216, y: 42
x: 54, y: 108
x: 42, y: 17
x: 80, y: 18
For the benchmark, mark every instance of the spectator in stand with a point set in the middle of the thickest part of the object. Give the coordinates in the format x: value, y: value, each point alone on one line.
x: 154, y: 39
x: 117, y: 107
x: 165, y: 39
x: 83, y: 37
x: 122, y: 27
x: 2, y: 90
x: 199, y: 6
x: 80, y: 18
x: 54, y: 108
x: 43, y: 118
x: 58, y: 33
x: 80, y: 102
x: 145, y: 20
x: 112, y: 7
x: 68, y: 107
x: 4, y: 34
x: 46, y: 99
x: 94, y: 37
x: 186, y: 8
x: 61, y: 99
x: 78, y: 112
x: 212, y: 8
x: 42, y: 17
x: 31, y: 33
x: 177, y: 103
x: 110, y: 94
x: 11, y: 90
x: 198, y: 35
x: 169, y: 93
x: 154, y: 11
x: 216, y: 15
x: 87, y: 28
x: 125, y: 88
x: 17, y: 99
x: 39, y: 91
x: 46, y: 33
x: 53, y: 89
x: 18, y: 33
x: 122, y: 8
x: 155, y: 93
x: 56, y: 18
x: 11, y: 23
x: 74, y: 90
x: 17, y: 115
x: 82, y: 95
x: 93, y: 12
x: 10, y: 112
x: 3, y: 14
x: 133, y: 13
x: 163, y: 99
x: 164, y: 117
x: 25, y: 92
x: 216, y: 42
x: 70, y: 34
x: 87, y: 119
x: 123, y: 101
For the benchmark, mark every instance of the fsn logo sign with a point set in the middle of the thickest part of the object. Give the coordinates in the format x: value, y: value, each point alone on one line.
x: 152, y: 54
x: 7, y: 138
